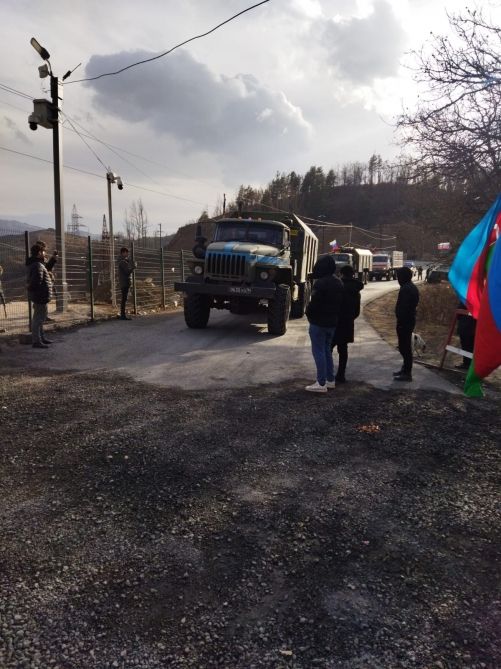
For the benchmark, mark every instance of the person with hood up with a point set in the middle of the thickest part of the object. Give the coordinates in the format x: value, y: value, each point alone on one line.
x: 323, y: 314
x: 350, y: 310
x: 39, y: 286
x: 405, y: 311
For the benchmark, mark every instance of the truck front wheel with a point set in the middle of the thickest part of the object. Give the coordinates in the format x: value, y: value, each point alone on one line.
x: 196, y: 310
x: 278, y: 310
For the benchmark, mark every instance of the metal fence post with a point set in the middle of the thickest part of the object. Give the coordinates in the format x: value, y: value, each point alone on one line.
x: 27, y: 249
x: 134, y: 293
x: 182, y: 266
x: 162, y: 270
x: 91, y: 278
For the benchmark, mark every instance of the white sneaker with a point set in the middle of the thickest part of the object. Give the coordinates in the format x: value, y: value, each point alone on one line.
x: 330, y: 384
x: 316, y: 388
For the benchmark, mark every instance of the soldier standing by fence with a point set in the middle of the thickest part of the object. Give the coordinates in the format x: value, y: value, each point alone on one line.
x: 125, y: 269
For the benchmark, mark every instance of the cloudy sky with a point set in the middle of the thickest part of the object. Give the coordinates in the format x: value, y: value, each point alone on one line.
x: 287, y: 85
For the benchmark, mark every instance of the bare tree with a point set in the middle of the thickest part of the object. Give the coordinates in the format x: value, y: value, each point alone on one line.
x: 456, y: 130
x: 130, y: 231
x: 136, y: 221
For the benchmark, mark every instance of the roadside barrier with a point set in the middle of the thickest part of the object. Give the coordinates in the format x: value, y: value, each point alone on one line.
x: 88, y: 293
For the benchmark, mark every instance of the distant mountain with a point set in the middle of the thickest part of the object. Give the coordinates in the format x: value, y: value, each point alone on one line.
x: 9, y: 227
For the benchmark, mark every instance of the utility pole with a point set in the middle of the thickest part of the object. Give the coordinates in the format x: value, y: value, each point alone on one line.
x: 56, y: 91
x: 160, y: 234
x: 112, y: 178
x: 112, y: 244
x: 47, y: 114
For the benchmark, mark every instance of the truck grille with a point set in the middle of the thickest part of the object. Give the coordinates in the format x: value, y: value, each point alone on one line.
x: 225, y: 265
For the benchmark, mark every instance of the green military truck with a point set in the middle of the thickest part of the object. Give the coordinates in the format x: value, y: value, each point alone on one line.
x: 254, y: 259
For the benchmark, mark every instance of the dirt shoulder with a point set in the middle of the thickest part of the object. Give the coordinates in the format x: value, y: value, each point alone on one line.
x: 257, y: 527
x: 437, y: 305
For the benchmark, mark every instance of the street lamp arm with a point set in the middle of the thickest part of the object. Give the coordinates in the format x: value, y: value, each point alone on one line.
x: 43, y: 53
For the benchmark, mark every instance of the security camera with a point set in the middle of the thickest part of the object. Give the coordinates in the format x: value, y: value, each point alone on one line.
x: 43, y: 71
x: 33, y: 121
x: 119, y: 183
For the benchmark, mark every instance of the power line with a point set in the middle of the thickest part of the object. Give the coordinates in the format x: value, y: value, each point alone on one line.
x: 14, y: 91
x: 108, y: 146
x: 83, y: 140
x: 325, y: 224
x: 165, y: 53
x: 112, y: 147
x: 118, y: 150
x: 100, y: 176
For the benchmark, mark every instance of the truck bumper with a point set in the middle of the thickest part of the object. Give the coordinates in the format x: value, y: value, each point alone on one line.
x: 255, y: 292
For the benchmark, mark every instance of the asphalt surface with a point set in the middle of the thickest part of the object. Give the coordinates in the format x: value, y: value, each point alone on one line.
x: 217, y: 516
x: 232, y: 352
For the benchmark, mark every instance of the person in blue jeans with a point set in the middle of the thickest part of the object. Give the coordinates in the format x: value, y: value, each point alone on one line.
x: 323, y: 314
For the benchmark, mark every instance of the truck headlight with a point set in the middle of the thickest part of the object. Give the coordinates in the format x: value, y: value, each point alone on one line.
x: 264, y: 275
x: 198, y: 269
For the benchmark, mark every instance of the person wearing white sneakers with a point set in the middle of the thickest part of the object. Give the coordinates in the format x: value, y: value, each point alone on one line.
x: 323, y: 313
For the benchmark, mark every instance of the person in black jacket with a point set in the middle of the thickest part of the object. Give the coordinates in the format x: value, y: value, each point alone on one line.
x: 350, y: 310
x: 39, y: 286
x: 125, y: 269
x: 467, y: 326
x: 323, y: 313
x: 405, y: 311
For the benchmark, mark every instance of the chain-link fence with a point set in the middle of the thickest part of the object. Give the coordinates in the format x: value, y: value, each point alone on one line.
x: 91, y: 290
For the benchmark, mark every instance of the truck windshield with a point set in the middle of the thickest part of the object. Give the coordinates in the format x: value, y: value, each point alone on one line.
x: 341, y: 257
x: 242, y: 232
x: 380, y: 259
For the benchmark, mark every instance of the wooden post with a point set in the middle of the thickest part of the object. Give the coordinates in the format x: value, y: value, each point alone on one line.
x: 458, y: 312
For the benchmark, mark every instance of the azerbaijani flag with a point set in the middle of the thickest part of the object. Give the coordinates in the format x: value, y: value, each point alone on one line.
x: 476, y: 277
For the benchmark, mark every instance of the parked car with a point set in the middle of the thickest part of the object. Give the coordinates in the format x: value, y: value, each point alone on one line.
x: 438, y: 273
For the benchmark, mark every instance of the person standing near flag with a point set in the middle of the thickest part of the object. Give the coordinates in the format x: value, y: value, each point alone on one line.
x: 405, y: 311
x: 475, y: 275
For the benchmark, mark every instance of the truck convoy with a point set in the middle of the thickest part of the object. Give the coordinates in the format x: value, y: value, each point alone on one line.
x: 359, y: 259
x: 385, y: 265
x: 254, y: 259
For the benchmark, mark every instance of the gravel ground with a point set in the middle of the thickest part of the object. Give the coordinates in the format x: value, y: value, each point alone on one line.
x: 263, y: 527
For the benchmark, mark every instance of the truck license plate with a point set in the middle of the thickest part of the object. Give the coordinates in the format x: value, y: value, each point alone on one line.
x: 241, y: 290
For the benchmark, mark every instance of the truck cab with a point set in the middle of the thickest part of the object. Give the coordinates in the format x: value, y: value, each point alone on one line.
x: 253, y: 260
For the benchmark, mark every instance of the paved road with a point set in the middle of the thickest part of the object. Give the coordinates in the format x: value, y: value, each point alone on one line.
x: 234, y: 351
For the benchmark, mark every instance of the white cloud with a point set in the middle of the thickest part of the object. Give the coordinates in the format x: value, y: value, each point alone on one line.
x: 182, y: 98
x: 364, y: 49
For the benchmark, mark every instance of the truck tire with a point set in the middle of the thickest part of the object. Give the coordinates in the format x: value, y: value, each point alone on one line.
x: 196, y: 311
x: 278, y: 311
x: 299, y: 307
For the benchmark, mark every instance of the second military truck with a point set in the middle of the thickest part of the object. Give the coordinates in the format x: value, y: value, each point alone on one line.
x: 359, y: 259
x: 254, y: 259
x: 385, y: 265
